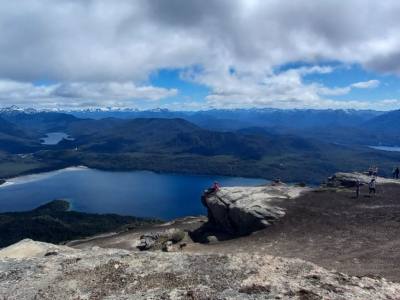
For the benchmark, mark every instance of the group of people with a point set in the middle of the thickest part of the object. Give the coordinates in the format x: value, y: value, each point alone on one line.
x: 371, y: 187
x: 373, y: 172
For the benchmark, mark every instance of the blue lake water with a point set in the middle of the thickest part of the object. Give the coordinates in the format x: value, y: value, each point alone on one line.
x: 53, y: 138
x: 386, y: 148
x: 138, y: 193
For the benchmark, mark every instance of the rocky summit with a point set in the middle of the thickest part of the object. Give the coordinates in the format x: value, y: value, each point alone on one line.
x: 34, y: 270
x: 281, y: 242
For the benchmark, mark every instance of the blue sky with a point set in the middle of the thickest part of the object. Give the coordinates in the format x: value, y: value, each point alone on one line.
x: 208, y: 54
x: 341, y: 77
x: 188, y: 91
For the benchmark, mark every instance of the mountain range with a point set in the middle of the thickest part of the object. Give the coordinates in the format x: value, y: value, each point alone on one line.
x: 258, y: 143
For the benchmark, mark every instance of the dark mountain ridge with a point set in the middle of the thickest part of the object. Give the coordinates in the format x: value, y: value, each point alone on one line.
x: 177, y: 136
x: 177, y: 145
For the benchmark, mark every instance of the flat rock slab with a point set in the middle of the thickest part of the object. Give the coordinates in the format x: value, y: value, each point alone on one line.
x: 242, y: 210
x: 342, y: 179
x: 118, y: 274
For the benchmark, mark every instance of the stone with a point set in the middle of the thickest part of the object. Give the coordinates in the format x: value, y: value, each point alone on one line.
x: 212, y: 239
x: 29, y: 248
x: 157, y: 240
x: 242, y: 210
x: 348, y: 180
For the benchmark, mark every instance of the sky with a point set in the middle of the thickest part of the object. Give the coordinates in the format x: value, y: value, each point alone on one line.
x: 196, y: 54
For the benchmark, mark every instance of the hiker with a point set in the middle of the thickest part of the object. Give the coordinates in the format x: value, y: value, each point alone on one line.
x: 372, y: 186
x: 370, y: 171
x: 213, y: 189
x: 396, y: 173
x: 216, y: 186
x: 277, y: 181
x: 358, y: 185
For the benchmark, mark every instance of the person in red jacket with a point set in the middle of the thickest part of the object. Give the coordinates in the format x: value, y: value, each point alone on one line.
x: 216, y: 186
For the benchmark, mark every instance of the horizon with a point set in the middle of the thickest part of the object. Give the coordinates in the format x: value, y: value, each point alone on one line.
x: 189, y: 55
x: 160, y: 109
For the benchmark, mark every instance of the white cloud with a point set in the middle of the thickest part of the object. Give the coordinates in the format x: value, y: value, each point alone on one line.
x: 79, y: 94
x: 101, y: 45
x: 370, y: 84
x: 285, y: 89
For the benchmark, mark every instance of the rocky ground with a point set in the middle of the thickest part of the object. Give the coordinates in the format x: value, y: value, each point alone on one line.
x: 332, y: 228
x: 33, y: 270
x: 327, y: 226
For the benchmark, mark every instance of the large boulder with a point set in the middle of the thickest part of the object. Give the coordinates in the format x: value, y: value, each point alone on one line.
x: 242, y: 210
x: 348, y: 180
x: 158, y: 240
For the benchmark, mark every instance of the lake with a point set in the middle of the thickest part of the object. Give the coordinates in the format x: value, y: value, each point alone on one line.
x: 137, y: 193
x: 386, y: 148
x: 53, y: 138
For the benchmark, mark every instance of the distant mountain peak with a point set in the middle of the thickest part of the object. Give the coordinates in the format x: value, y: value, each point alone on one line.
x: 16, y: 109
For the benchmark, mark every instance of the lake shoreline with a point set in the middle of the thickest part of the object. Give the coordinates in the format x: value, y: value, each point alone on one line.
x: 138, y: 193
x: 5, y: 179
x: 386, y: 148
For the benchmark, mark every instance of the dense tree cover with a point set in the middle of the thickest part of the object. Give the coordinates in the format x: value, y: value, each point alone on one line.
x: 177, y: 145
x: 54, y: 223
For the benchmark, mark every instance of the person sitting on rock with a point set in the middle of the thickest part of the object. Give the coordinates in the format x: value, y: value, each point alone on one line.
x: 277, y: 181
x: 372, y: 186
x: 216, y: 186
x: 213, y: 189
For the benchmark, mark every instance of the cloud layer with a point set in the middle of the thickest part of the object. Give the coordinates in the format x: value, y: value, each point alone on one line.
x: 79, y: 94
x: 106, y: 50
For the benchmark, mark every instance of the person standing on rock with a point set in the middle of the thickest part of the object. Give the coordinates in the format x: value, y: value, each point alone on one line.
x: 370, y: 171
x: 358, y: 185
x: 396, y: 173
x: 372, y: 186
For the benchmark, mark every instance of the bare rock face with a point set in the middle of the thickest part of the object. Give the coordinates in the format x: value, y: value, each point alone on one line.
x: 242, y: 210
x: 119, y: 274
x: 348, y: 180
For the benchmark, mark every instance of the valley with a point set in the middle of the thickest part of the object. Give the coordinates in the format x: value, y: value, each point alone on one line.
x: 163, y: 143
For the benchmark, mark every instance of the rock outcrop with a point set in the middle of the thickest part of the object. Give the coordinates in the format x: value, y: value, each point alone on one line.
x: 161, y: 240
x: 242, y: 210
x: 348, y: 180
x: 119, y: 274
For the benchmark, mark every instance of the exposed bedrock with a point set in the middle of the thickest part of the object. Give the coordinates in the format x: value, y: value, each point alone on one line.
x: 33, y: 270
x: 347, y: 180
x: 242, y: 210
